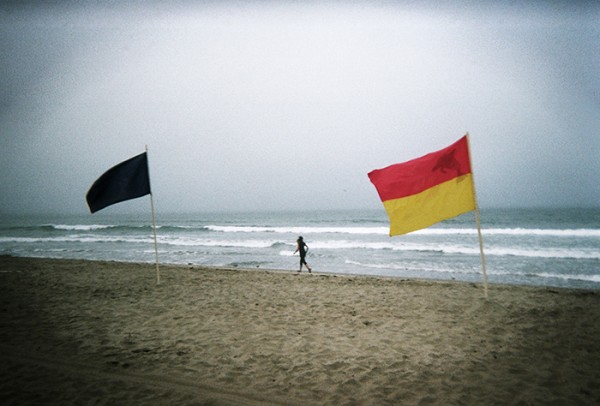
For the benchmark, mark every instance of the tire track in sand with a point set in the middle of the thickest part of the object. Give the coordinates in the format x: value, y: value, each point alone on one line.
x: 201, y: 391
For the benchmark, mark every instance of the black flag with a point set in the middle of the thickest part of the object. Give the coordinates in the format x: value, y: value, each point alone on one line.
x: 125, y: 181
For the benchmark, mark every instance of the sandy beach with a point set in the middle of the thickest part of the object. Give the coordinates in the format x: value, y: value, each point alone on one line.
x: 82, y: 332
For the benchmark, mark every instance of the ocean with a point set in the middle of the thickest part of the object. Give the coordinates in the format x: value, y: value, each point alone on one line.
x: 542, y: 247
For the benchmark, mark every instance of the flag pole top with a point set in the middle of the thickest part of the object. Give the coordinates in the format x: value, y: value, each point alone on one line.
x: 478, y: 223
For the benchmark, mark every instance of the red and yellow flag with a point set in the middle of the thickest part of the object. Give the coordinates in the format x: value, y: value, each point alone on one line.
x: 427, y: 190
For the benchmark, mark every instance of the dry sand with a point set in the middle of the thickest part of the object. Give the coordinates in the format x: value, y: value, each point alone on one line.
x: 82, y: 332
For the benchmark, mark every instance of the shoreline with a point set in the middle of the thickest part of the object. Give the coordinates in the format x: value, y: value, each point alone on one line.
x: 80, y: 332
x: 193, y: 266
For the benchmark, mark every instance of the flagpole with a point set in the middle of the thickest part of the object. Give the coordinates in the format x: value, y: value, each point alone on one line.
x: 477, y: 221
x: 154, y: 229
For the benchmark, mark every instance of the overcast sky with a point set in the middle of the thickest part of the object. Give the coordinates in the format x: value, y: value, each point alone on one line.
x: 279, y: 105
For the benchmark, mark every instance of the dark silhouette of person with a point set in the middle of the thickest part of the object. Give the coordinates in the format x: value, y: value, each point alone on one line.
x: 303, y: 249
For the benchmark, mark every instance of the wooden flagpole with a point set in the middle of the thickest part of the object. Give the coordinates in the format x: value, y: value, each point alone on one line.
x: 477, y: 221
x: 154, y: 227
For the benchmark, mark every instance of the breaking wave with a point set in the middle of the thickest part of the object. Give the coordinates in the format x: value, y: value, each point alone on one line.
x: 429, y: 231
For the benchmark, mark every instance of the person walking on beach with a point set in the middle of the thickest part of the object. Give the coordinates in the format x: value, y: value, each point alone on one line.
x: 303, y: 249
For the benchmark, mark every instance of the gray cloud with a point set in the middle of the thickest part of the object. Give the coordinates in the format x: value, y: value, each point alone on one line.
x: 258, y: 106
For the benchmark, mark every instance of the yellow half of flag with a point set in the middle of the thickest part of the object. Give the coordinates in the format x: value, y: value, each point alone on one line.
x: 446, y: 200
